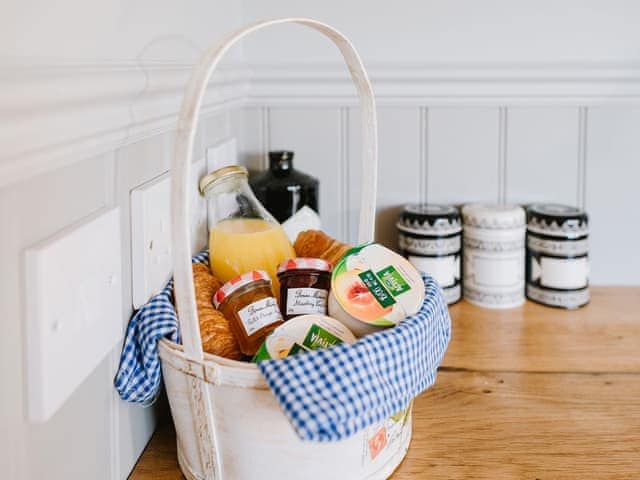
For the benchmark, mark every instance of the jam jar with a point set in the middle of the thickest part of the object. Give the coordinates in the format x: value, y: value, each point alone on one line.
x: 304, y: 286
x: 248, y: 303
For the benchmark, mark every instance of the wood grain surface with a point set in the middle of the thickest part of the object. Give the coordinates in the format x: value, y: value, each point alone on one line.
x: 526, y: 426
x: 528, y: 393
x: 160, y: 459
x: 604, y: 336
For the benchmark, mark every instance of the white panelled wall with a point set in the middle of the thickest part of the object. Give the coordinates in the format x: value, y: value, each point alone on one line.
x: 89, y: 94
x: 576, y: 155
x: 501, y: 101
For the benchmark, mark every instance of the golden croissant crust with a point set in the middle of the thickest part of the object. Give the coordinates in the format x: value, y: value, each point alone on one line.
x: 215, y: 330
x: 317, y: 244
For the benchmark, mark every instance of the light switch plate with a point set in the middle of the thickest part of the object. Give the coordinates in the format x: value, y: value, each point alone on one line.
x: 73, y: 296
x: 151, y: 232
x: 150, y: 238
x: 222, y: 154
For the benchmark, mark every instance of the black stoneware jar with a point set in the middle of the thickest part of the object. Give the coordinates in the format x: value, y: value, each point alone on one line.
x: 282, y: 189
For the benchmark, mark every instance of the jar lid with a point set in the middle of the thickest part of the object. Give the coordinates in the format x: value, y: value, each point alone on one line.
x: 557, y: 220
x: 429, y: 219
x: 240, y: 281
x: 221, y: 173
x: 303, y: 263
x: 493, y: 216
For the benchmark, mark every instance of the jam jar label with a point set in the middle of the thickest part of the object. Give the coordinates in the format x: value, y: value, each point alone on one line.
x: 259, y: 314
x: 301, y: 301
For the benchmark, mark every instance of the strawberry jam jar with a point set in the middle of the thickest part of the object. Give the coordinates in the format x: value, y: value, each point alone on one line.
x: 304, y: 286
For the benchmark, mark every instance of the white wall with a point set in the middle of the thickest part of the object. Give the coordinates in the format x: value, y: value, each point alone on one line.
x: 497, y: 101
x: 494, y: 100
x: 457, y: 31
x: 81, y: 78
x: 89, y: 92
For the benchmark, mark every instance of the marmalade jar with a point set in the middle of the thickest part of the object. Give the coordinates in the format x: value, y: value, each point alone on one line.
x: 304, y: 286
x: 248, y: 303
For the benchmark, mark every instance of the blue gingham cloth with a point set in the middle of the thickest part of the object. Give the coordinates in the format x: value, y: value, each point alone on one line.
x: 326, y: 394
x: 331, y: 394
x: 138, y: 377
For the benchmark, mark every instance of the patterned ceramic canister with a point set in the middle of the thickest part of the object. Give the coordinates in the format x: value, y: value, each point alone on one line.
x: 557, y: 255
x: 430, y: 236
x: 493, y: 260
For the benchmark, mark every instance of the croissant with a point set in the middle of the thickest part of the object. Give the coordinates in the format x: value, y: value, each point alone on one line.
x: 215, y: 330
x: 317, y: 244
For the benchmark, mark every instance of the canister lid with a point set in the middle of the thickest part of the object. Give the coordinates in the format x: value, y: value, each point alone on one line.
x: 429, y: 219
x: 240, y: 281
x: 557, y: 220
x: 493, y: 216
x: 302, y: 263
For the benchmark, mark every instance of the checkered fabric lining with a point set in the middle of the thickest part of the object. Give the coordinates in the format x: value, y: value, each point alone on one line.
x: 138, y: 377
x: 331, y: 394
x: 326, y: 394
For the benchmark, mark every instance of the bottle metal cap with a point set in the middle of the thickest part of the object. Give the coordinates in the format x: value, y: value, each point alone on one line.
x: 219, y: 174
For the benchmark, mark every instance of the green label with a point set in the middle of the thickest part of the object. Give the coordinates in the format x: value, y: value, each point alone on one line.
x: 380, y: 293
x: 393, y: 281
x: 295, y: 349
x: 261, y: 354
x: 318, y: 337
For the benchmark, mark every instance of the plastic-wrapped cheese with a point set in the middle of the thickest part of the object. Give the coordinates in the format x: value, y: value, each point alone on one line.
x: 373, y: 287
x: 303, y: 333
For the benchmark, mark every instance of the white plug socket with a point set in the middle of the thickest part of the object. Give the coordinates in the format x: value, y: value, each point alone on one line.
x: 151, y: 232
x: 73, y: 298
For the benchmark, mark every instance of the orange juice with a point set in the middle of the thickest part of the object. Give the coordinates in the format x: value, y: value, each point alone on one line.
x: 239, y: 245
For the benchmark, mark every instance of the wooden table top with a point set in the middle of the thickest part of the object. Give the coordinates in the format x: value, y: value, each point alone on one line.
x: 527, y: 393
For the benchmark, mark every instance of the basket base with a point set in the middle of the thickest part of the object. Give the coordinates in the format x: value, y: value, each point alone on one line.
x: 384, y: 472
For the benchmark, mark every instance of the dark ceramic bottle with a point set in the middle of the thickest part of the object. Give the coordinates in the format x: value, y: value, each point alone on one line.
x: 282, y: 189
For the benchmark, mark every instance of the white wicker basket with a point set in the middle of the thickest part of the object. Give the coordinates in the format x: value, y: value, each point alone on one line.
x: 228, y: 424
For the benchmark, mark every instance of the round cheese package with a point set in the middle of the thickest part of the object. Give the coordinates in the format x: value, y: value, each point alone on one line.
x: 302, y: 334
x: 373, y: 287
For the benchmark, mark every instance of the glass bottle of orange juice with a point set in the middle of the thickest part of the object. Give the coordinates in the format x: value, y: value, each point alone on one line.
x: 243, y: 236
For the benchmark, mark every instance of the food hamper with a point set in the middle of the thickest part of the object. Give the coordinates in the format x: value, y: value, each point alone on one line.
x: 228, y: 423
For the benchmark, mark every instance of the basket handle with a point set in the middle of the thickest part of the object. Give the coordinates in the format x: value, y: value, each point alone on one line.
x: 187, y: 126
x: 180, y: 185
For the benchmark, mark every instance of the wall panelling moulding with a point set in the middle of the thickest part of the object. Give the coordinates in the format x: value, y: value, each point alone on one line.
x: 56, y: 115
x: 464, y: 84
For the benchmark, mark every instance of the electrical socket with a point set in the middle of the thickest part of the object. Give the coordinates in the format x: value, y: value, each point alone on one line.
x: 151, y: 232
x: 73, y: 308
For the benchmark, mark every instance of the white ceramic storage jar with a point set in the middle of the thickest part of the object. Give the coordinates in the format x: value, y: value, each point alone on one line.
x: 494, y: 248
x: 557, y: 255
x: 430, y: 237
